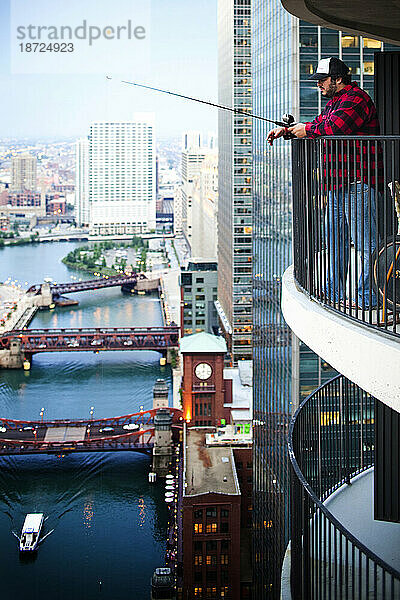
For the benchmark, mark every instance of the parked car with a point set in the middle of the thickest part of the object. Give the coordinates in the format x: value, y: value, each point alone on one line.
x: 131, y: 427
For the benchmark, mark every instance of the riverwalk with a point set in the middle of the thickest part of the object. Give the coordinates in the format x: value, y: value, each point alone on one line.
x: 16, y: 308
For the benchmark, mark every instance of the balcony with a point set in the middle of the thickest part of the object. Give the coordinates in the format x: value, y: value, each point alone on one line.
x: 206, y: 388
x: 337, y: 549
x: 343, y: 292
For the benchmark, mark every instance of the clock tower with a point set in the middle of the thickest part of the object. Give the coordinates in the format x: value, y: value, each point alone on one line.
x: 204, y: 390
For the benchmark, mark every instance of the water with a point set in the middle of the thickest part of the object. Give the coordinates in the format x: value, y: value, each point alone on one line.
x: 109, y: 523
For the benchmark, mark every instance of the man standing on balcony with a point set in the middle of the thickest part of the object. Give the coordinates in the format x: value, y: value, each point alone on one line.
x: 349, y: 176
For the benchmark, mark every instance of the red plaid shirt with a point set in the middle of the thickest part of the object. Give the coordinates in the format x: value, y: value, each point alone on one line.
x: 350, y: 112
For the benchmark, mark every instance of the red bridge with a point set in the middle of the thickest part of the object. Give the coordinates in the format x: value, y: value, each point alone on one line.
x: 58, y: 289
x: 128, y: 432
x: 32, y: 341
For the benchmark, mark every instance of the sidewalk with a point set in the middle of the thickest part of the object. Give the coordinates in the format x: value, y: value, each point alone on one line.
x: 21, y: 315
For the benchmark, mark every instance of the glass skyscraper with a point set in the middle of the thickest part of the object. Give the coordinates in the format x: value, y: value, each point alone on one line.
x: 234, y: 303
x: 285, y: 51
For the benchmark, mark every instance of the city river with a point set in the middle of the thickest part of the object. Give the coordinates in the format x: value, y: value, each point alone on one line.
x: 109, y: 522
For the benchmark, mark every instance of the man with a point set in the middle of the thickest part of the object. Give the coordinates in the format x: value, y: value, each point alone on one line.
x: 349, y: 175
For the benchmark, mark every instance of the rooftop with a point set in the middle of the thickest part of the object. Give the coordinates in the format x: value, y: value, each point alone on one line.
x: 242, y: 390
x: 208, y: 470
x: 203, y: 342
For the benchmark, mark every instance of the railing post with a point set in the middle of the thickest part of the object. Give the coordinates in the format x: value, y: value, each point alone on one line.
x: 296, y: 570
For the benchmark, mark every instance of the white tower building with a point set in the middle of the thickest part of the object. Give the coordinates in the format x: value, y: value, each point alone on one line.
x: 122, y: 176
x: 193, y: 155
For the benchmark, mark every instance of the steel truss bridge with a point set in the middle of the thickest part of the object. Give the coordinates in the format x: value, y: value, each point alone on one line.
x: 127, y: 432
x: 33, y: 341
x: 58, y: 289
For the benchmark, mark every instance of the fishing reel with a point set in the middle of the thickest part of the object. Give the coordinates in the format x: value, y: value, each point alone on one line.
x: 288, y: 120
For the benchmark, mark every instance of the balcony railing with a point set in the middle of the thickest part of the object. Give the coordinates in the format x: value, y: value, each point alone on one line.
x: 331, y: 439
x: 346, y: 225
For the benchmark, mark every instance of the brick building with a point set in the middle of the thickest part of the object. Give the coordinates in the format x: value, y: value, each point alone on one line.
x: 204, y: 389
x: 211, y: 521
x: 217, y: 474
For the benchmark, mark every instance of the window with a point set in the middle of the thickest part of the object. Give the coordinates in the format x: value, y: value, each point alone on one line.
x: 224, y: 527
x: 368, y: 43
x: 211, y: 560
x: 224, y: 544
x: 369, y: 67
x: 211, y: 528
x: 198, y: 514
x: 350, y: 41
x: 198, y: 546
x: 198, y: 560
x: 211, y: 592
x: 224, y: 559
x: 224, y: 513
x: 199, y: 279
x: 198, y: 591
x: 211, y: 546
x: 198, y: 527
x: 211, y: 512
x: 198, y: 576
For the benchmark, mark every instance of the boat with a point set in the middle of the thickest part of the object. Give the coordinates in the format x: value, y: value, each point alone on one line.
x: 31, y: 532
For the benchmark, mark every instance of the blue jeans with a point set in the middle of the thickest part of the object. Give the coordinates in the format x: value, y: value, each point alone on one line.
x: 354, y: 207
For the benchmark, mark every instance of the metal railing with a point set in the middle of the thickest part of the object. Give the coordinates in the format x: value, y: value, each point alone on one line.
x: 346, y: 225
x: 331, y: 439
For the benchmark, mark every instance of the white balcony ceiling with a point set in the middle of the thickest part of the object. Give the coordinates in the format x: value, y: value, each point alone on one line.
x: 380, y: 20
x: 361, y: 353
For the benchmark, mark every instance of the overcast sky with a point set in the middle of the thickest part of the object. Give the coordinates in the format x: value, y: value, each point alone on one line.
x: 182, y: 44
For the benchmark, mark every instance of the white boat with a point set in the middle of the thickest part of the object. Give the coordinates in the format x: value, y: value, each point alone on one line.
x: 31, y: 532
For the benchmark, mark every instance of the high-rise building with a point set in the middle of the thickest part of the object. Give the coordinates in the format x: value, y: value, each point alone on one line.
x: 285, y: 370
x: 178, y: 209
x: 121, y: 165
x: 198, y: 293
x: 193, y: 155
x: 234, y: 177
x: 23, y: 173
x: 205, y: 209
x: 82, y: 182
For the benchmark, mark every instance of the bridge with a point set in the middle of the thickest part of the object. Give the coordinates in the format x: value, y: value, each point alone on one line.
x: 58, y: 289
x: 32, y: 341
x: 128, y: 432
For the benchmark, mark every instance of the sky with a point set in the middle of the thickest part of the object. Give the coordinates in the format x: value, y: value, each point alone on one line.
x: 179, y: 54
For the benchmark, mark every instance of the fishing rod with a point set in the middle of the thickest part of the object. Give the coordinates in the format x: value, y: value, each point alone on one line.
x: 287, y: 120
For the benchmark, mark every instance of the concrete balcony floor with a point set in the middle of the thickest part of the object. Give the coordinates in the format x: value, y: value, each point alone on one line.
x: 353, y: 506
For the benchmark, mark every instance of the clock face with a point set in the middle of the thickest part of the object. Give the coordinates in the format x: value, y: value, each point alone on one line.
x: 203, y: 371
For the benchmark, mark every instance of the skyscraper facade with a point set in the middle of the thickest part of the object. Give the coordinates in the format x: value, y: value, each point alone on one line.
x: 285, y: 51
x: 82, y: 182
x: 193, y: 155
x: 122, y: 186
x: 205, y: 209
x: 234, y: 177
x: 23, y: 173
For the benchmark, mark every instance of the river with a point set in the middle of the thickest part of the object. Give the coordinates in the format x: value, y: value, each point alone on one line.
x: 109, y: 522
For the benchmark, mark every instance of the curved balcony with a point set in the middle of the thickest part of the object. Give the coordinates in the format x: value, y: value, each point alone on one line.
x: 337, y: 549
x: 344, y: 291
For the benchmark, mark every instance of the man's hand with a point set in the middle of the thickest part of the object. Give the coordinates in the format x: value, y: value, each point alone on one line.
x: 274, y: 134
x: 298, y: 130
